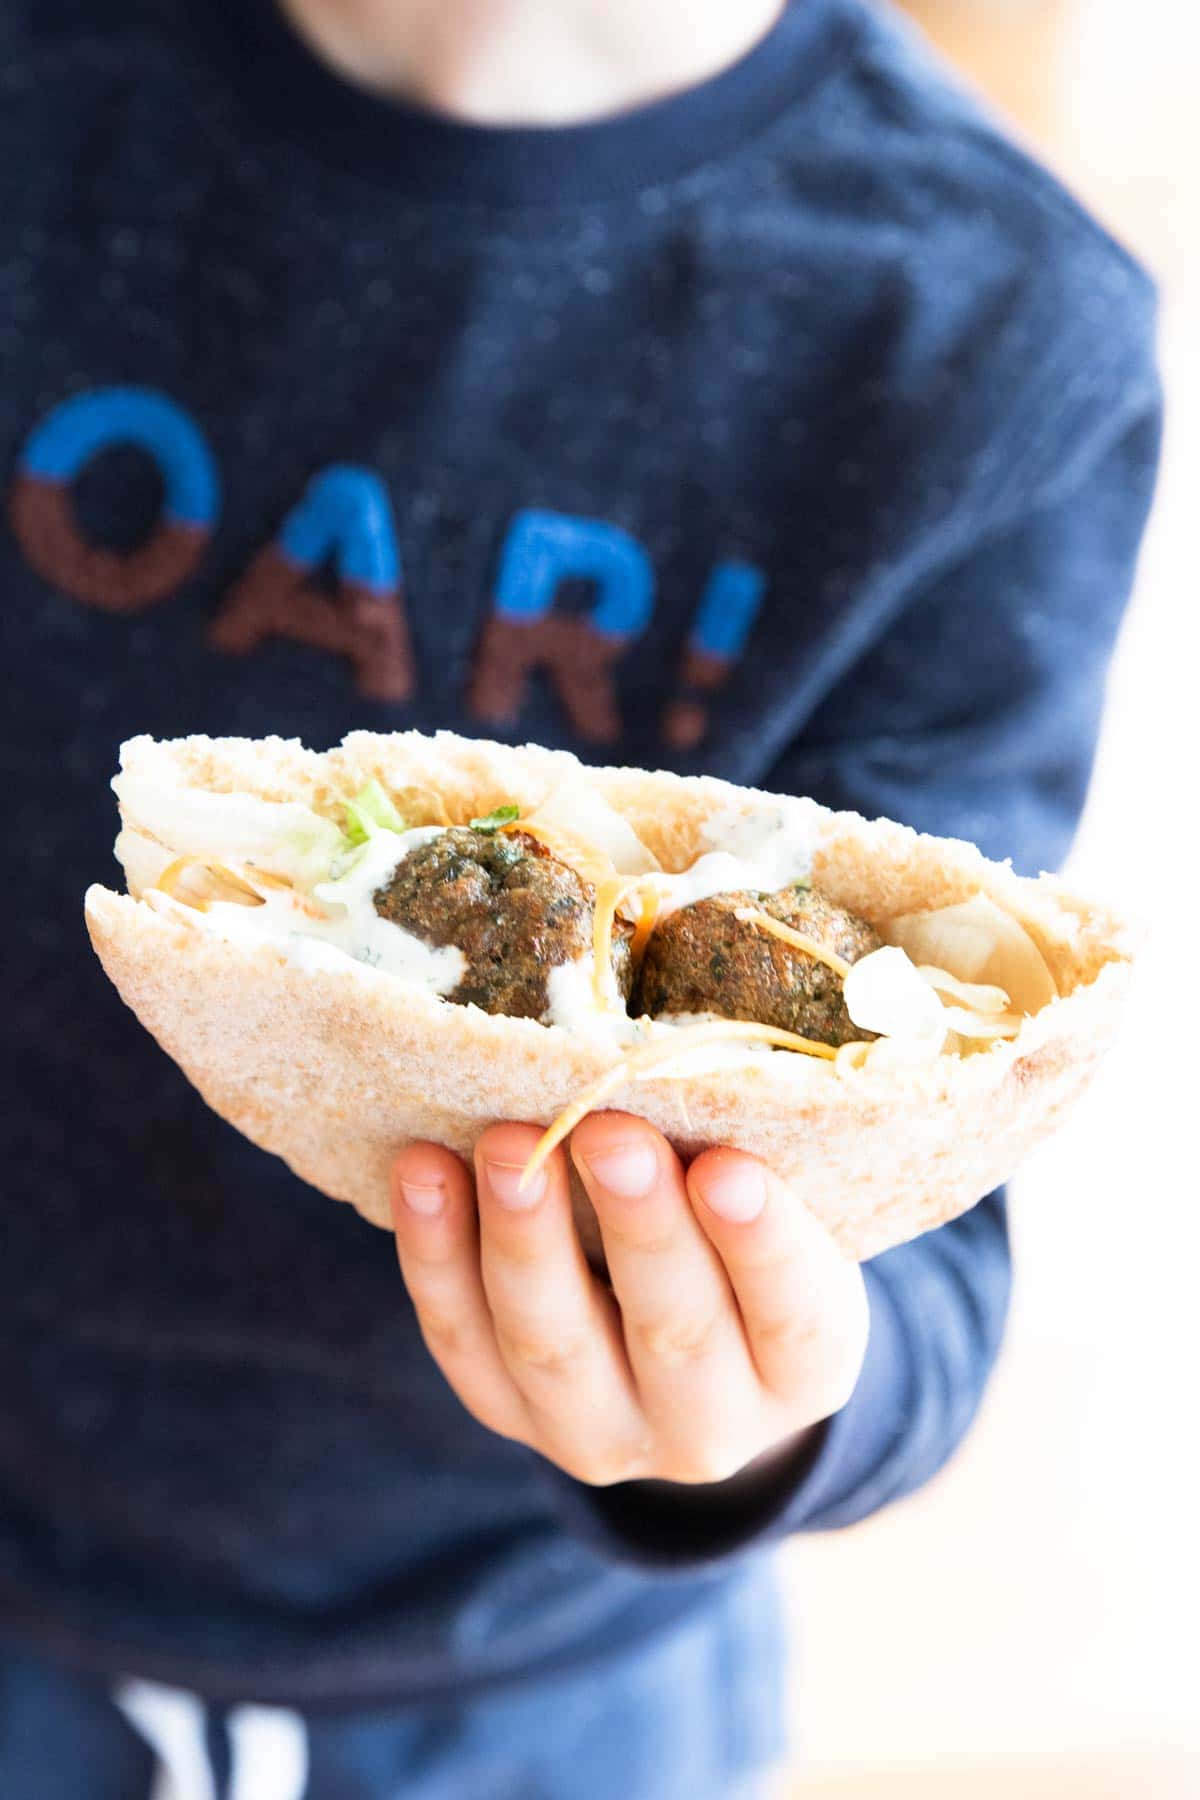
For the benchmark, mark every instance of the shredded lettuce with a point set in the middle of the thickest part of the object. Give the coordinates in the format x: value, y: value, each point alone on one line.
x: 343, y: 864
x: 500, y: 815
x: 370, y: 811
x: 283, y: 836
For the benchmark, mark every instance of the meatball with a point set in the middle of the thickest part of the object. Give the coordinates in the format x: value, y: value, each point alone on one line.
x: 702, y: 959
x: 514, y: 910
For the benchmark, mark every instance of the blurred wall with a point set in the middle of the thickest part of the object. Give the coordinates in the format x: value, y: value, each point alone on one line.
x: 1028, y: 1624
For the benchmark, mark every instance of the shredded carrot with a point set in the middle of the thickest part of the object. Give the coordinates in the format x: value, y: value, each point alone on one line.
x: 168, y: 882
x: 609, y: 895
x: 651, y: 899
x: 244, y: 883
x: 750, y: 915
x: 648, y: 1057
x: 596, y: 867
x: 170, y: 876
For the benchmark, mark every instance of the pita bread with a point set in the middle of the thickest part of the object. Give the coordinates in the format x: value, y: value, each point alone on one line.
x: 335, y: 1067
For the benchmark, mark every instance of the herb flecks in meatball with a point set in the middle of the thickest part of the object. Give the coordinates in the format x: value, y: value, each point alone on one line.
x: 514, y: 910
x: 703, y: 959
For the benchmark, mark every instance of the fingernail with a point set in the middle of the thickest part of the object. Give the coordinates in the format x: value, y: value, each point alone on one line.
x: 504, y: 1179
x: 628, y: 1170
x: 424, y: 1198
x: 736, y: 1191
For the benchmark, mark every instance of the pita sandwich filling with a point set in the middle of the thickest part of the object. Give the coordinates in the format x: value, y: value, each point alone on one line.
x: 407, y: 937
x: 563, y: 915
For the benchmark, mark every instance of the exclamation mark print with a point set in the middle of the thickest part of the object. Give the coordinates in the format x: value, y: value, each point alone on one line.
x: 718, y: 636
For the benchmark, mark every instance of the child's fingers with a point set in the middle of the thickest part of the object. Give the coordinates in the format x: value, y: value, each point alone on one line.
x: 556, y: 1328
x: 437, y: 1240
x: 686, y: 1346
x: 803, y: 1303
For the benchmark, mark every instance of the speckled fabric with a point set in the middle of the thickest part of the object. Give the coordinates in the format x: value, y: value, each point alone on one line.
x: 802, y: 413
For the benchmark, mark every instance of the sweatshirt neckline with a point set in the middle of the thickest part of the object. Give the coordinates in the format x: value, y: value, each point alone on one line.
x: 429, y: 156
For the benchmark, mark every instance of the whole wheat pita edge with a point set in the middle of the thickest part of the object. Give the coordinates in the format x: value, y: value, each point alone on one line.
x: 412, y: 937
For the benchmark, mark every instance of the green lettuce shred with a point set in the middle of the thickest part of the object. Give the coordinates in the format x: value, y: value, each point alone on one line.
x: 500, y: 815
x: 369, y: 812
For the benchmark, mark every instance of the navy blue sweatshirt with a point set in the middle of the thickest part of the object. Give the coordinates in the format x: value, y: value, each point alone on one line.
x: 797, y: 428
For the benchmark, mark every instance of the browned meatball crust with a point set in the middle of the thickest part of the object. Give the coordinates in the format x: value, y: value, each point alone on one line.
x: 514, y: 910
x: 702, y: 959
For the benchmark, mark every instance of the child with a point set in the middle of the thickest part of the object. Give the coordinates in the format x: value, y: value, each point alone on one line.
x: 694, y: 385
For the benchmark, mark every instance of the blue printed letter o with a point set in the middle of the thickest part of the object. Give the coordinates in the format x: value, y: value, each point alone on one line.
x: 43, y: 516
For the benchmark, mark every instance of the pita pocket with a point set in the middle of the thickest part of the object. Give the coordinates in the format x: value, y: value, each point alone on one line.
x: 964, y: 1013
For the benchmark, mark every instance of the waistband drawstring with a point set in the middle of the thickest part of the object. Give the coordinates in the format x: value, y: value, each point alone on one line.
x: 268, y: 1745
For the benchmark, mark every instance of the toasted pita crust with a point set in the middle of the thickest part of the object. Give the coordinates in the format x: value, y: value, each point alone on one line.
x: 335, y: 1069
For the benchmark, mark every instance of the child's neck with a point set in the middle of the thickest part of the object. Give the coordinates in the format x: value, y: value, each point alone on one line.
x: 535, y: 62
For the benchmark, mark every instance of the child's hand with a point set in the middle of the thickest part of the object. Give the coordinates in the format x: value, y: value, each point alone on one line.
x: 734, y: 1323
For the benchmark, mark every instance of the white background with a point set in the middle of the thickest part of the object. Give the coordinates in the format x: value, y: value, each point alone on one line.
x: 1029, y: 1624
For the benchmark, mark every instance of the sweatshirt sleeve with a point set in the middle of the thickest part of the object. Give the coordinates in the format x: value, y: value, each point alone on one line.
x: 975, y: 715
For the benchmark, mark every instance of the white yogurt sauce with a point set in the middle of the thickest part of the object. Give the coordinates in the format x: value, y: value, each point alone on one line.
x: 571, y: 1003
x: 759, y: 853
x: 340, y: 919
x: 336, y: 918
